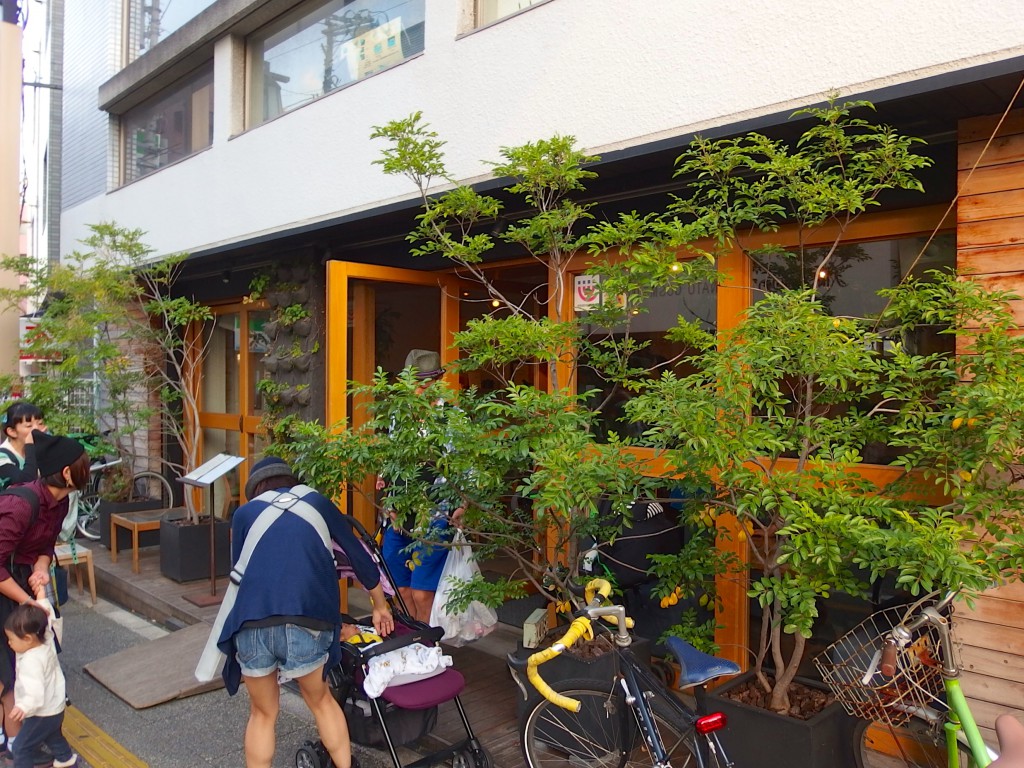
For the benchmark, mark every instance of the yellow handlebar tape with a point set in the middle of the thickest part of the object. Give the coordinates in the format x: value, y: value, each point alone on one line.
x: 580, y: 627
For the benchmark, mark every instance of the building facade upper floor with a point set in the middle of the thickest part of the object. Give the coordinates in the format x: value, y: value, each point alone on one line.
x: 253, y: 117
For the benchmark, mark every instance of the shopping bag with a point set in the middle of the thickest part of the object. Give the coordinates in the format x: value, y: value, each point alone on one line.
x: 477, y: 620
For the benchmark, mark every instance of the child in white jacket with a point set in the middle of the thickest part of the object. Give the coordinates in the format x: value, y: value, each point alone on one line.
x: 39, y: 687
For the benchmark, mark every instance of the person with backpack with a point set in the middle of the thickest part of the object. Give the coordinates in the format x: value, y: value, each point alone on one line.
x: 17, y: 452
x: 280, y: 619
x: 30, y: 522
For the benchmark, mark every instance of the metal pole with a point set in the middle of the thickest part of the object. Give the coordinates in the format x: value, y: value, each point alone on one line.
x: 213, y: 551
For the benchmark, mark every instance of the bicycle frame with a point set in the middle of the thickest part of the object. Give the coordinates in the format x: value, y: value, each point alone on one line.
x: 638, y: 686
x: 635, y: 681
x: 958, y: 722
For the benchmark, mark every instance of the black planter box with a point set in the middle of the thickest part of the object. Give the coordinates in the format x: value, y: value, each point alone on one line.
x: 755, y: 736
x: 124, y: 536
x: 185, y: 548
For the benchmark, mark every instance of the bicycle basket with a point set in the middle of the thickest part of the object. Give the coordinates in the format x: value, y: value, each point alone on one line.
x: 850, y: 668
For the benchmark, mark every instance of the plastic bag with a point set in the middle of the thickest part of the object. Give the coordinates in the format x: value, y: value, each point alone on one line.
x: 477, y: 620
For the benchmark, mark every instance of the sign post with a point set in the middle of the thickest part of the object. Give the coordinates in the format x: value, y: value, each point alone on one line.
x: 204, y: 476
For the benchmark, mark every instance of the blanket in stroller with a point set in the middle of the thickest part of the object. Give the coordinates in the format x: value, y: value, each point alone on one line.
x: 408, y: 664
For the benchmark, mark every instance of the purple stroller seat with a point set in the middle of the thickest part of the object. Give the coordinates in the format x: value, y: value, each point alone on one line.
x: 426, y: 693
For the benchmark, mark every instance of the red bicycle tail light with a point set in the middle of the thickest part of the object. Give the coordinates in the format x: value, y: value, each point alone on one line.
x: 709, y: 723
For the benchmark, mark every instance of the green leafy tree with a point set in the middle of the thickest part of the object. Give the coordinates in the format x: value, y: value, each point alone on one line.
x: 778, y: 413
x: 111, y: 317
x: 526, y: 463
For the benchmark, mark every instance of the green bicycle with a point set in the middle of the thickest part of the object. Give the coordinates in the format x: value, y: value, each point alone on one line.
x: 899, y: 667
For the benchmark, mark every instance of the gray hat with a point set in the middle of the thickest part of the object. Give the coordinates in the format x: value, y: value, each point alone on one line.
x: 271, y: 466
x: 426, y: 363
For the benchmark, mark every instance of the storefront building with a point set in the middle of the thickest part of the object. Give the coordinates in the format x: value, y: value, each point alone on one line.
x: 241, y: 134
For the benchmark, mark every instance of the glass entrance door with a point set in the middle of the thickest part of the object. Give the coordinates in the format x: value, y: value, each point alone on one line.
x: 230, y: 406
x: 375, y: 316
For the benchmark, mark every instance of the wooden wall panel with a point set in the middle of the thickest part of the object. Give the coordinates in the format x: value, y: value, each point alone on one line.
x: 992, y: 205
x: 990, y: 231
x: 992, y: 178
x: 985, y: 234
x: 991, y: 261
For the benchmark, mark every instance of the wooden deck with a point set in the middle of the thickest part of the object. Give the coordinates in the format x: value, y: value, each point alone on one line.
x: 489, y: 697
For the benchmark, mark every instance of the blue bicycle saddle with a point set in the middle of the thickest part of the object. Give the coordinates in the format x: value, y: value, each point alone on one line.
x: 697, y: 667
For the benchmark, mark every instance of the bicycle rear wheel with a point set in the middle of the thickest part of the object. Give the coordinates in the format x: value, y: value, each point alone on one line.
x: 88, y: 523
x: 152, y: 486
x: 603, y: 734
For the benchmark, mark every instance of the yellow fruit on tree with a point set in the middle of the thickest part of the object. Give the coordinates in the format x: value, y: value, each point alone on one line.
x: 965, y: 475
x: 957, y: 422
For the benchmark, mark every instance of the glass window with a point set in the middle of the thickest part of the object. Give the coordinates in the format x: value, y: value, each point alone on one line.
x: 655, y: 354
x: 849, y: 282
x: 220, y: 366
x: 170, y: 126
x: 488, y: 11
x: 325, y: 46
x: 150, y: 21
x: 851, y: 278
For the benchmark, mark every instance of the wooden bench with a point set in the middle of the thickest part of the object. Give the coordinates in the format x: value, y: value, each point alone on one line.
x: 81, y: 557
x: 136, y: 522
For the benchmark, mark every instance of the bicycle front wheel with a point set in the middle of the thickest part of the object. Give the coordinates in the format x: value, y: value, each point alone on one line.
x: 604, y: 733
x: 916, y: 744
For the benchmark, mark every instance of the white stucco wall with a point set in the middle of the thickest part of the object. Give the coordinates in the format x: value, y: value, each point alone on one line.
x: 613, y: 73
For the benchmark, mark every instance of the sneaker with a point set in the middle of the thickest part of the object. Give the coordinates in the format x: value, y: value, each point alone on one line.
x: 71, y: 762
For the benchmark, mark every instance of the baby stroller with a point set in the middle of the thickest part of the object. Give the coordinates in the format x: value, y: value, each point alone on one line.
x: 404, y: 711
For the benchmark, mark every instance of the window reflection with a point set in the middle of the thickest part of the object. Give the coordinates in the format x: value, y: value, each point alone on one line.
x: 848, y: 285
x: 850, y: 279
x: 488, y: 11
x: 150, y: 21
x: 221, y: 365
x: 325, y: 46
x: 170, y: 126
x: 654, y: 353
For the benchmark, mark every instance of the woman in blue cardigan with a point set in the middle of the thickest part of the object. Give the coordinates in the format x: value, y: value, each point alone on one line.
x: 286, y: 619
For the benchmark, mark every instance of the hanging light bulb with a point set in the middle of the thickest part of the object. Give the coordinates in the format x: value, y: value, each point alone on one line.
x: 676, y: 266
x: 495, y: 303
x: 822, y: 274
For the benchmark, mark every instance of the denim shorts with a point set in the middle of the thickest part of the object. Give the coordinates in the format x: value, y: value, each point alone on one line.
x: 292, y: 650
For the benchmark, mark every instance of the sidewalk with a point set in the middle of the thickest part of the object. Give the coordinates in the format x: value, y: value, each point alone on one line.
x: 159, y: 606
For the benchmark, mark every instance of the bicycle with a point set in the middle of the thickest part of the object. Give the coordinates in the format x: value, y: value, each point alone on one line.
x: 632, y: 719
x: 144, y: 486
x: 899, y: 668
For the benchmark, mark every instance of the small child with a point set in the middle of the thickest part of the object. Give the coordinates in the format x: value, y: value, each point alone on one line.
x: 39, y: 687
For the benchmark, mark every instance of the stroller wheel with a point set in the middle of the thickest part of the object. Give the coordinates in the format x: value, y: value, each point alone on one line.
x: 307, y: 757
x: 466, y: 759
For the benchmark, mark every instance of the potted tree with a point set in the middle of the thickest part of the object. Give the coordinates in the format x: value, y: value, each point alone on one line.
x: 530, y: 463
x: 778, y: 416
x: 152, y: 343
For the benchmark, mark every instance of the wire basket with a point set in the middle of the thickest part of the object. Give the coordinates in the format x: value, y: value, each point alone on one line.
x: 850, y: 668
